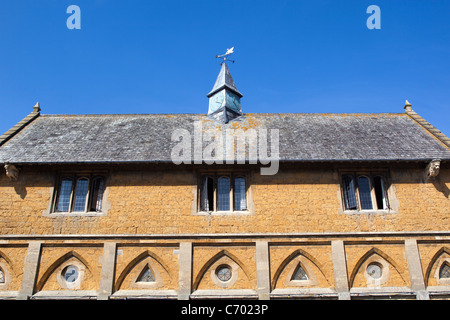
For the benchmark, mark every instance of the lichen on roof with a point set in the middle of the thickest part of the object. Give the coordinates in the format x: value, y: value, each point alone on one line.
x: 147, y: 137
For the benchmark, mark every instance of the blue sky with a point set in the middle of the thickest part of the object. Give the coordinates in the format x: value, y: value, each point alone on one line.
x: 159, y: 56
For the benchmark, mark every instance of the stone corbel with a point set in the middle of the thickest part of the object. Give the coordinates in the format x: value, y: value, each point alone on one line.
x: 11, y: 171
x: 432, y: 169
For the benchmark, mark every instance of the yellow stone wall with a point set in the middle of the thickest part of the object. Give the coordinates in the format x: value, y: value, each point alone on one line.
x: 55, y: 257
x: 314, y: 259
x: 131, y: 260
x: 302, y: 202
x: 207, y: 258
x: 164, y: 202
x: 433, y: 255
x: 393, y: 255
x: 11, y: 262
x: 314, y: 255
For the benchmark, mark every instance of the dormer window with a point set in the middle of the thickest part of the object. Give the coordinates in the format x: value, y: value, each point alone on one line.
x: 79, y: 193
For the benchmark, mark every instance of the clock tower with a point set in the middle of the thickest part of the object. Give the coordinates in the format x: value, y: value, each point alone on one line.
x: 224, y: 98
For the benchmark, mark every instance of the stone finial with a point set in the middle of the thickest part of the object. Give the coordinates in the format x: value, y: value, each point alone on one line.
x: 408, y: 106
x: 36, y: 108
x: 11, y: 171
x: 432, y: 169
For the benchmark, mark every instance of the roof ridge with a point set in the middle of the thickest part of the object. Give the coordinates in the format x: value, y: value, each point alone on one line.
x: 21, y: 124
x: 202, y: 114
x: 426, y: 125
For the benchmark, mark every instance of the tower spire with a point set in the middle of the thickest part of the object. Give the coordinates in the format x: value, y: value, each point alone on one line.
x: 224, y: 98
x: 224, y: 80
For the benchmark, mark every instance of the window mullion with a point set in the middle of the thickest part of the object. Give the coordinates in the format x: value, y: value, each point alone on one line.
x: 216, y: 194
x: 372, y: 193
x: 72, y: 193
x: 56, y: 193
x: 231, y: 193
x: 358, y: 200
x: 88, y: 195
x: 385, y: 193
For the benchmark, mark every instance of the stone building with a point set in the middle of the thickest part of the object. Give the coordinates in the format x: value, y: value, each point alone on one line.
x: 330, y: 206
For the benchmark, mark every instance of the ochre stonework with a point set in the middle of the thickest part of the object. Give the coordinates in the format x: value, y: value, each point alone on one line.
x: 147, y: 227
x: 297, y: 212
x: 149, y: 202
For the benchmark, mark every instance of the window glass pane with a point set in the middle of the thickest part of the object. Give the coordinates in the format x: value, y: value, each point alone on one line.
x: 299, y: 274
x: 65, y: 191
x: 70, y: 273
x: 364, y: 193
x: 444, y: 273
x: 147, y: 276
x: 81, y: 194
x: 240, y: 201
x: 378, y: 185
x: 349, y: 192
x: 224, y: 273
x: 98, y: 186
x: 224, y: 194
x: 2, y: 276
x: 207, y: 194
x: 375, y: 270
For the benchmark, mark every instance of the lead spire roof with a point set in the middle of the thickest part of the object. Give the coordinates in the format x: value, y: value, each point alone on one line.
x: 224, y: 80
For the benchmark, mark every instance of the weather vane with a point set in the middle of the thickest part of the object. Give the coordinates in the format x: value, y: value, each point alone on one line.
x: 225, y: 56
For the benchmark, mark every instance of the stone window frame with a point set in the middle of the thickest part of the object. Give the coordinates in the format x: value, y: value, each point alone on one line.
x: 304, y: 263
x: 225, y: 261
x: 4, y: 268
x: 440, y: 262
x: 60, y: 276
x: 232, y: 175
x: 371, y: 282
x: 152, y: 265
x: 389, y: 194
x: 75, y: 176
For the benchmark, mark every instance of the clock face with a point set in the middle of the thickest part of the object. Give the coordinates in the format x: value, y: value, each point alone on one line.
x: 216, y: 101
x: 233, y: 101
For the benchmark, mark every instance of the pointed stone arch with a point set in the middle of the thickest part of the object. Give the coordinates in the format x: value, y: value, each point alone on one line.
x: 216, y: 259
x: 379, y: 257
x: 439, y: 258
x: 8, y: 262
x: 7, y: 271
x: 146, y: 259
x: 7, y: 259
x: 71, y: 255
x: 299, y: 258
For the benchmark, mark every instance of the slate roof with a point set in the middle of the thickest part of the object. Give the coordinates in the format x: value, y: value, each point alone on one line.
x: 147, y: 137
